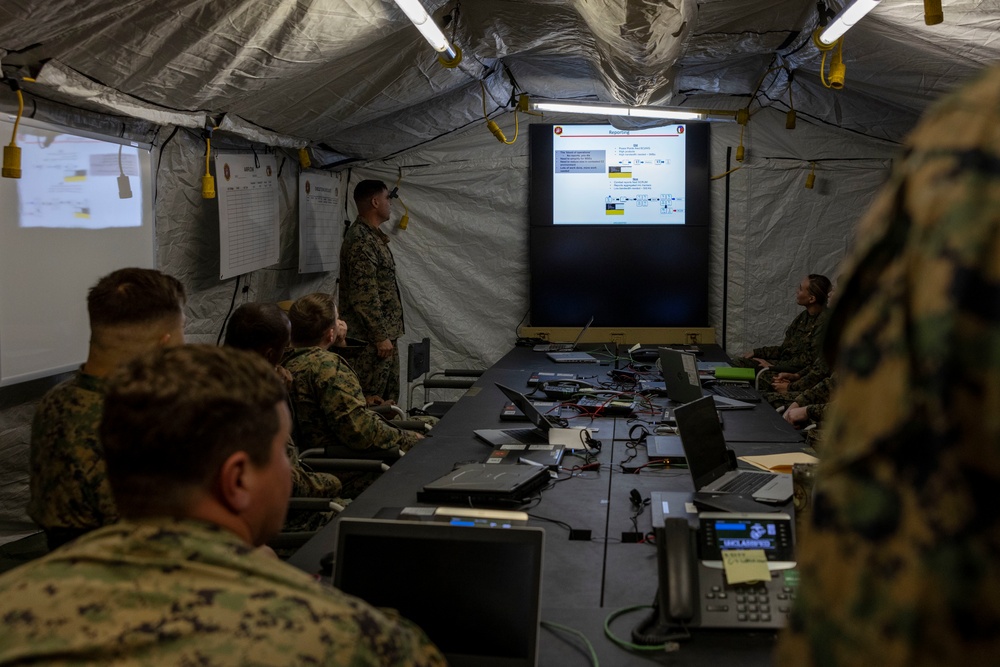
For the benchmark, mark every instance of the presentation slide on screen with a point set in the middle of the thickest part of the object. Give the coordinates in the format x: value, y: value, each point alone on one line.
x: 72, y: 182
x: 602, y: 175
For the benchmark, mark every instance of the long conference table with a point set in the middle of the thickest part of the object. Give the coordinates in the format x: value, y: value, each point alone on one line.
x: 583, y: 582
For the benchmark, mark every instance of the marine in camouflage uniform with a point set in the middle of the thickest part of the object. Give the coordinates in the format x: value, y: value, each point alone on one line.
x: 900, y: 563
x: 815, y: 401
x: 330, y: 410
x: 810, y: 377
x: 70, y: 493
x: 371, y: 306
x: 801, y: 346
x: 183, y: 592
x: 310, y: 484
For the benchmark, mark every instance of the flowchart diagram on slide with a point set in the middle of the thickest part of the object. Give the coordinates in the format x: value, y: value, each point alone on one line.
x: 618, y: 176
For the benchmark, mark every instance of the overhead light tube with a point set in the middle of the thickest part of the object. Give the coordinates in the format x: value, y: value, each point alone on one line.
x: 843, y: 21
x: 429, y: 29
x: 599, y: 109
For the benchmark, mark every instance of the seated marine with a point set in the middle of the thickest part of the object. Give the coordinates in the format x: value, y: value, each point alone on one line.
x: 194, y: 439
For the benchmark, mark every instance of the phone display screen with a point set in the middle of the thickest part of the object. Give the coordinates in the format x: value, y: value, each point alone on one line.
x: 772, y: 535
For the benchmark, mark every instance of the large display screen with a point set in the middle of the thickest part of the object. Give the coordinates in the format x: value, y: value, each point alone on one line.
x: 619, y: 225
x: 82, y: 208
x: 603, y: 175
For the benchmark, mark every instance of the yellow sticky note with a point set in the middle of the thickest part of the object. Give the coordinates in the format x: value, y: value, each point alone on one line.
x: 743, y: 565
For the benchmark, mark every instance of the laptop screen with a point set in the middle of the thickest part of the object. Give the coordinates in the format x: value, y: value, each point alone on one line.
x: 476, y: 592
x: 582, y: 331
x: 704, y: 444
x: 527, y: 407
x: 680, y: 375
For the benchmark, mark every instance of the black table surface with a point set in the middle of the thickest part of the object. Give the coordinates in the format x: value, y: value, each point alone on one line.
x: 584, y: 582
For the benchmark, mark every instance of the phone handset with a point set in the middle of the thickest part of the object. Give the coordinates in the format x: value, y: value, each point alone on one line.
x: 677, y: 571
x: 680, y: 569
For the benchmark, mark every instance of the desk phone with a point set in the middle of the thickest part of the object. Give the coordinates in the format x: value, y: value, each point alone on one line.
x: 693, y: 591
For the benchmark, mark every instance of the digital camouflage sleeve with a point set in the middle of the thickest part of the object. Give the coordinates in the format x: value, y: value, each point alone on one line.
x: 166, y: 592
x: 330, y: 408
x: 69, y: 484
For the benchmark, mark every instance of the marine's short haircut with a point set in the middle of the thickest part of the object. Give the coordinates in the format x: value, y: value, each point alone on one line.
x: 134, y: 296
x: 367, y: 189
x: 174, y: 415
x: 819, y: 287
x: 257, y: 327
x: 311, y: 316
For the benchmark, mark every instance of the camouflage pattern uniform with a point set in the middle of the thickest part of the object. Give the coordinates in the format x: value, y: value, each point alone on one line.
x: 812, y: 377
x: 330, y: 410
x: 370, y: 304
x: 310, y: 484
x: 815, y: 400
x: 168, y: 592
x: 69, y: 483
x: 900, y: 563
x: 801, y: 346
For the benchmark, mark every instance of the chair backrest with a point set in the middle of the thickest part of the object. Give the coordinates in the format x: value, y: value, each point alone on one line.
x: 418, y: 359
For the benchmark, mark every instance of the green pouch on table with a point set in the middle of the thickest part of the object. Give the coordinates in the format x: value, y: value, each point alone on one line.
x: 734, y: 373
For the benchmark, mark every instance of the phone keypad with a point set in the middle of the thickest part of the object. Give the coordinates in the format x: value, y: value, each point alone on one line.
x: 759, y: 605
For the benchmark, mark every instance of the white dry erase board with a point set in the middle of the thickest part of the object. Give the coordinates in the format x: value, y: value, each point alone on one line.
x: 63, y: 225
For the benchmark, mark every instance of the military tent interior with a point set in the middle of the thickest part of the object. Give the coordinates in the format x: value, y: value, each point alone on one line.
x: 355, y: 84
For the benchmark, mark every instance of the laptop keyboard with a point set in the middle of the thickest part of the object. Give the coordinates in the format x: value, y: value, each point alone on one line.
x: 738, y: 391
x: 746, y: 484
x: 529, y: 436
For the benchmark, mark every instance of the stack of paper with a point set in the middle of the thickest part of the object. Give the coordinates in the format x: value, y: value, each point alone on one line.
x: 779, y: 462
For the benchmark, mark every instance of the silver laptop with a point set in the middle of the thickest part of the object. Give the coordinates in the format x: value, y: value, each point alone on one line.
x: 680, y: 375
x: 571, y: 358
x: 711, y: 467
x: 564, y: 347
x: 538, y: 435
x: 490, y: 618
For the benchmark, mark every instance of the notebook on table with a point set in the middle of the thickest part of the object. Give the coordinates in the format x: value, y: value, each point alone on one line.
x: 485, y: 485
x: 488, y: 620
x: 564, y: 347
x: 708, y: 460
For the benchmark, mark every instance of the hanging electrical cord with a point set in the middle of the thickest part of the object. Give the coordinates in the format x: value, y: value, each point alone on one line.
x: 404, y: 222
x: 492, y: 125
x: 12, y: 152
x: 207, y: 182
x: 742, y: 117
x: 725, y: 173
x: 837, y: 68
x: 232, y: 304
x: 790, y: 116
x: 124, y: 188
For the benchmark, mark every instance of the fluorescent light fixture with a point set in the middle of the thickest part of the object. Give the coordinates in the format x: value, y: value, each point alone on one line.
x: 843, y: 21
x: 599, y: 109
x: 428, y: 28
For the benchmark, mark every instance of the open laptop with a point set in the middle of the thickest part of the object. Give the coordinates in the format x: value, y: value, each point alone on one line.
x: 537, y: 435
x: 564, y: 347
x: 680, y: 376
x: 489, y: 619
x: 712, y: 469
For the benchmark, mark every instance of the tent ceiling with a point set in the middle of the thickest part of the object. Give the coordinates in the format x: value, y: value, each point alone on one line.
x: 356, y: 76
